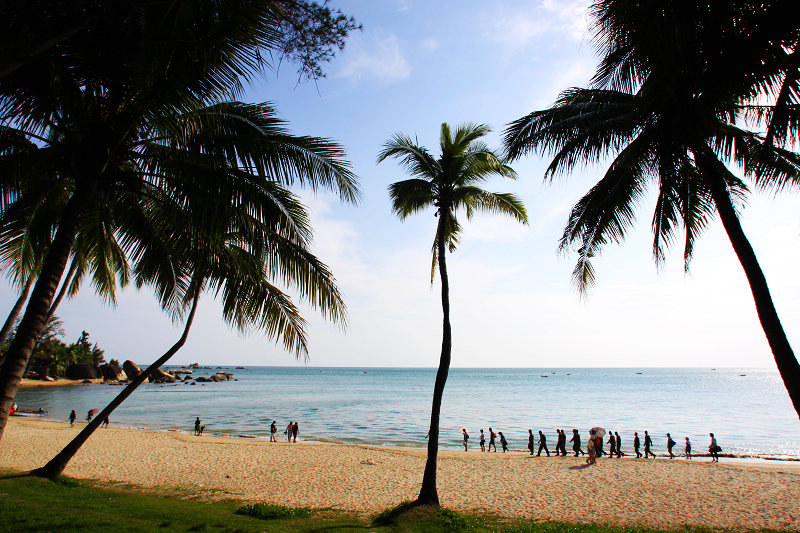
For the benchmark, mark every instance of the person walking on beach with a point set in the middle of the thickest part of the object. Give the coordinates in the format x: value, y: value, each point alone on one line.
x: 576, y: 442
x: 466, y: 437
x: 618, y: 440
x: 648, y: 442
x: 197, y: 426
x: 295, y: 431
x: 273, y: 430
x: 612, y: 445
x: 636, y: 443
x: 542, y: 444
x: 688, y: 448
x: 503, y: 442
x: 592, y: 452
x: 105, y: 422
x: 491, y: 440
x: 598, y: 445
x: 288, y: 431
x: 72, y: 417
x: 483, y: 441
x: 714, y: 449
x: 561, y: 443
x: 530, y: 441
x: 670, y: 444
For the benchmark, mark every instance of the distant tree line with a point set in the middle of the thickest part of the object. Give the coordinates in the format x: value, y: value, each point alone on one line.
x: 51, y: 356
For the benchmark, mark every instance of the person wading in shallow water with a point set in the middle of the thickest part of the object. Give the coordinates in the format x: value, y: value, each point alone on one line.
x: 492, y: 436
x: 288, y: 431
x: 197, y: 426
x: 295, y: 431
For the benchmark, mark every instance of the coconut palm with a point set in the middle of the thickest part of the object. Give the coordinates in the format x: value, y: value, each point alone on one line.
x: 138, y: 107
x: 679, y: 90
x: 448, y: 183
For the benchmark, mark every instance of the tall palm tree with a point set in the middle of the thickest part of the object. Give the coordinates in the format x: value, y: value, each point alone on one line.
x: 678, y: 93
x: 138, y: 106
x: 448, y: 183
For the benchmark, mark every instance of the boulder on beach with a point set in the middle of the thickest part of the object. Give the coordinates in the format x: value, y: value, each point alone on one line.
x: 203, y: 379
x: 83, y: 371
x: 132, y: 370
x: 113, y: 373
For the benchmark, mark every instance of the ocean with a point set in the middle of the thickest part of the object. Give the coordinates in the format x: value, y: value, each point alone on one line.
x: 748, y: 410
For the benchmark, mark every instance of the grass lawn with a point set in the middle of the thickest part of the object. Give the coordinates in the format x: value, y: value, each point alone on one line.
x: 29, y: 504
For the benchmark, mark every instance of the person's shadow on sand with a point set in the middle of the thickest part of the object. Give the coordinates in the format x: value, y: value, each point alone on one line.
x: 580, y: 467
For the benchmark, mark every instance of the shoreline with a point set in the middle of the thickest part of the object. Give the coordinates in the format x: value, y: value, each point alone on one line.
x: 765, y: 459
x: 368, y: 479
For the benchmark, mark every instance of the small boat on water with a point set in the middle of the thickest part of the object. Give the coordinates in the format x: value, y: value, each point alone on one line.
x: 26, y: 412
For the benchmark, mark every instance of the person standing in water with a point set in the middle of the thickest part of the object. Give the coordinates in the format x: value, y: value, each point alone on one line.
x: 530, y: 441
x: 288, y: 431
x: 576, y: 442
x: 688, y: 448
x: 491, y: 441
x: 483, y: 441
x: 197, y: 426
x: 273, y: 430
x: 295, y: 431
x: 466, y: 437
x: 72, y: 417
x: 542, y: 444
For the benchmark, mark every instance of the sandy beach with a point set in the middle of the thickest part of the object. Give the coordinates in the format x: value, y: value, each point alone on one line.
x: 659, y: 493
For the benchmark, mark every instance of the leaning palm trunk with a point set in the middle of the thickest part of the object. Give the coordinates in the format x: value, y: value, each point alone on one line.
x: 57, y: 464
x: 428, y: 494
x: 776, y: 337
x: 12, y: 316
x: 64, y: 287
x: 41, y: 298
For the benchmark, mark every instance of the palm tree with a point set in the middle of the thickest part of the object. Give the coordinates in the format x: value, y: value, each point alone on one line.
x: 137, y: 107
x: 449, y: 183
x: 678, y: 91
x: 240, y: 264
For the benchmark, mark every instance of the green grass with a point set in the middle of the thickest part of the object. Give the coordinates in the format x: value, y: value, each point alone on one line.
x: 29, y: 504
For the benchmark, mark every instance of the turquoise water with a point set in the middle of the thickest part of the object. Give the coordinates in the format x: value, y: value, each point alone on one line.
x: 750, y: 414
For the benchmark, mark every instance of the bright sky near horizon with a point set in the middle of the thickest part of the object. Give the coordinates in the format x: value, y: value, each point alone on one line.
x: 415, y: 65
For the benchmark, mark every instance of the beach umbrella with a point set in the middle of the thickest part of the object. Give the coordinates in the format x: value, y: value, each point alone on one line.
x: 94, y: 411
x: 597, y: 432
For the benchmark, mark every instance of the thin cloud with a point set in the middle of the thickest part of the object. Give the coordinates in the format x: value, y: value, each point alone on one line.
x: 374, y: 58
x: 518, y: 27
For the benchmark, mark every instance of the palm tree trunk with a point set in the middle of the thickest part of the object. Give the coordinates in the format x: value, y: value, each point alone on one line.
x: 57, y: 464
x: 428, y: 494
x: 41, y: 298
x: 12, y: 316
x: 781, y: 349
x: 64, y: 286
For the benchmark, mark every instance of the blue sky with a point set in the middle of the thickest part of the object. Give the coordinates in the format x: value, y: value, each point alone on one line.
x: 415, y: 65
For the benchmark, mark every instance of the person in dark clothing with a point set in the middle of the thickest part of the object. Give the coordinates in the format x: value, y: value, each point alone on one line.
x: 598, y: 445
x: 561, y: 443
x: 670, y: 444
x: 530, y: 441
x: 542, y: 444
x: 636, y: 444
x: 612, y: 445
x: 72, y: 417
x: 503, y: 442
x: 295, y: 431
x: 197, y: 426
x: 648, y: 442
x: 104, y: 423
x: 618, y: 440
x: 688, y: 448
x: 492, y: 436
x: 576, y: 442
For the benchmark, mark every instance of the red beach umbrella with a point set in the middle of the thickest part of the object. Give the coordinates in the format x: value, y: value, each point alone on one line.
x: 94, y: 411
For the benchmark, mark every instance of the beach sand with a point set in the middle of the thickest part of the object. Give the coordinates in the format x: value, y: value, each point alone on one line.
x: 658, y: 493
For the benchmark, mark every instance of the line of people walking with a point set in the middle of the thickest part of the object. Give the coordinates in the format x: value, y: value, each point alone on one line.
x: 594, y: 447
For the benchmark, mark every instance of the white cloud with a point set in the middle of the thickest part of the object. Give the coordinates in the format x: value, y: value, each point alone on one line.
x: 518, y: 27
x: 374, y: 57
x: 430, y: 44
